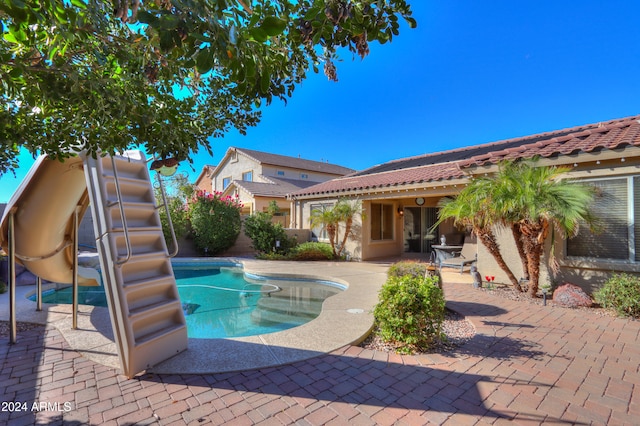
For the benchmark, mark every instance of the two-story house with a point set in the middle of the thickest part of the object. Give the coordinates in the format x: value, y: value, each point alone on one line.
x: 260, y: 177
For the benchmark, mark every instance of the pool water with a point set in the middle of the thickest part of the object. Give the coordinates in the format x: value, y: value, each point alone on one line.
x: 220, y: 300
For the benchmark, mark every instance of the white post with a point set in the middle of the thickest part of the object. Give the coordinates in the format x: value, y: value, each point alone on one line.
x: 12, y: 279
x: 75, y: 268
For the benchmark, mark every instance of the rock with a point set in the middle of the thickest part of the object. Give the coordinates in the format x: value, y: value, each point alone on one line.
x: 571, y: 296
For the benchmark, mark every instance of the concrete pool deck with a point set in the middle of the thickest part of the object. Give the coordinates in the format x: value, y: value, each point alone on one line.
x: 345, y: 319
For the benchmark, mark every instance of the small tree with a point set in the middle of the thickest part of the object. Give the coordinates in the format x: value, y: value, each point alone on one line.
x: 330, y: 218
x: 215, y: 221
x: 265, y: 234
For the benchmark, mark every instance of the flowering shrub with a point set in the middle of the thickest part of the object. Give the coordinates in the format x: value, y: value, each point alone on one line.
x: 215, y: 221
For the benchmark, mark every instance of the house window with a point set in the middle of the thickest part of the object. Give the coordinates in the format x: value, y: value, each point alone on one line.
x: 247, y: 176
x: 280, y: 172
x: 225, y: 182
x: 304, y: 176
x: 381, y: 221
x: 617, y: 207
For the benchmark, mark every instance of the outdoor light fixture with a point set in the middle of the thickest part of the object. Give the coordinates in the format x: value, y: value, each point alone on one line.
x: 400, y: 211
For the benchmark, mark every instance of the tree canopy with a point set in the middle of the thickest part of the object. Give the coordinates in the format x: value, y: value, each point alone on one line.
x: 166, y: 75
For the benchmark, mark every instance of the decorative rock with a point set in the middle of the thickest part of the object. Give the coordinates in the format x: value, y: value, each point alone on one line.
x: 571, y: 296
x: 477, y: 278
x: 25, y: 278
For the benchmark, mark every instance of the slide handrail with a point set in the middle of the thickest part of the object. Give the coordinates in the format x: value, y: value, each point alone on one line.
x: 125, y: 228
x: 174, y: 240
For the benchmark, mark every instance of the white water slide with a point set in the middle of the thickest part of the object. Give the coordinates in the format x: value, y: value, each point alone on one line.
x: 38, y: 230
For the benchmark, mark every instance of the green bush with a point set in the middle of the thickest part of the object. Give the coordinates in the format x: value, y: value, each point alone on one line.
x: 621, y: 292
x: 177, y: 191
x: 312, y: 251
x: 264, y: 234
x: 3, y: 287
x: 215, y: 221
x: 410, y: 312
x: 414, y: 269
x: 179, y: 221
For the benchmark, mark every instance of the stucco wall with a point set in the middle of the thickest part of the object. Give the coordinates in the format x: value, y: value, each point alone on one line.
x: 234, y: 170
x: 295, y: 173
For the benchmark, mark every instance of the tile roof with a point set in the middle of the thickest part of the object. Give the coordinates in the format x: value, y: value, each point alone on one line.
x: 295, y: 162
x: 450, y: 164
x: 278, y: 187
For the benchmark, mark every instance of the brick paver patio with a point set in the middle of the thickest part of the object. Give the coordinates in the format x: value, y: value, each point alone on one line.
x: 528, y: 364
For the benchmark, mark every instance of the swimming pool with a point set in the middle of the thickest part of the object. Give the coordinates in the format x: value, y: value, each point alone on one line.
x: 221, y: 300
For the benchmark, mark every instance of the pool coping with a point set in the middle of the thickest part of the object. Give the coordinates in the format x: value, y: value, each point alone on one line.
x: 346, y: 318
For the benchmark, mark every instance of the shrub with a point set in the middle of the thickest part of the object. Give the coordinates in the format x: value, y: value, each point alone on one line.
x: 312, y: 251
x: 178, y: 215
x: 264, y: 234
x: 410, y: 312
x: 621, y: 292
x: 402, y: 268
x: 3, y: 287
x: 215, y: 221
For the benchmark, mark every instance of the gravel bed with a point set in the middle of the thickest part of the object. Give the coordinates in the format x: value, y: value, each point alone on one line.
x: 20, y: 327
x: 455, y: 327
x: 458, y: 330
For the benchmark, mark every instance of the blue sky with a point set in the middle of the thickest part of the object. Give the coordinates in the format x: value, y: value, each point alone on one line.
x: 472, y: 72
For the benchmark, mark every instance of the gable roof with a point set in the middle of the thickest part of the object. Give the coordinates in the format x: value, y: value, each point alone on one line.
x: 294, y: 162
x: 451, y: 164
x: 276, y: 187
x: 205, y: 173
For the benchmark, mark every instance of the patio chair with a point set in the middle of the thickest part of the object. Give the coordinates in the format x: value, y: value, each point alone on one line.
x: 467, y: 256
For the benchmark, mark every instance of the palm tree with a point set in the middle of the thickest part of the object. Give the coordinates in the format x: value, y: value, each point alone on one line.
x: 325, y: 217
x: 330, y: 219
x: 536, y: 200
x: 531, y: 201
x: 473, y: 207
x: 346, y: 211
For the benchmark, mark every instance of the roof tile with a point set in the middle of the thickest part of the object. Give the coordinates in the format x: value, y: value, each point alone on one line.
x: 450, y: 164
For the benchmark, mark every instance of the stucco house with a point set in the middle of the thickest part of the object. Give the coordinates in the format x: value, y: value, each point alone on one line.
x: 400, y: 199
x: 259, y: 177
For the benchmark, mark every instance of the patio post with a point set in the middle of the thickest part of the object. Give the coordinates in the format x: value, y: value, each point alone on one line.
x: 12, y: 278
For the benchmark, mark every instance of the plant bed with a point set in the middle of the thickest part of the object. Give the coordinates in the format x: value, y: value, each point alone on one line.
x: 457, y: 329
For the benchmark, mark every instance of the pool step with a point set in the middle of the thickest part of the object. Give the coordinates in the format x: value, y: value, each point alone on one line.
x: 276, y: 309
x: 144, y: 305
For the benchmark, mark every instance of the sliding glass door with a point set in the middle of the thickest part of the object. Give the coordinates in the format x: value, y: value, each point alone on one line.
x: 417, y: 223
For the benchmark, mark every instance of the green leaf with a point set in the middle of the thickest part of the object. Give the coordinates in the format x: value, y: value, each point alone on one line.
x: 147, y: 18
x: 412, y: 22
x: 204, y: 61
x: 79, y: 4
x: 169, y: 22
x: 273, y: 26
x: 259, y: 34
x: 250, y: 67
x: 166, y: 41
x: 265, y: 81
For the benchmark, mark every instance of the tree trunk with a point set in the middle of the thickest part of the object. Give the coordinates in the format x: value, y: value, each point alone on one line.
x: 331, y: 233
x: 535, y: 254
x: 534, y: 235
x: 347, y: 231
x: 517, y: 237
x: 488, y: 239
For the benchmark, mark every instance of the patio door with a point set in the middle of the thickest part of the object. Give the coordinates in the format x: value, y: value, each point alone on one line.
x: 417, y: 222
